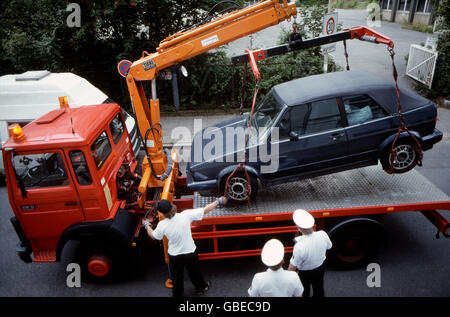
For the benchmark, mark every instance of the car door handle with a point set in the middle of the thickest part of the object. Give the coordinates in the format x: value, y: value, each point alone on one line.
x: 72, y: 203
x: 335, y: 136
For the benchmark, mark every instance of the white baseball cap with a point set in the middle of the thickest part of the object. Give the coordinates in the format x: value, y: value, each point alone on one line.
x: 272, y: 253
x: 303, y: 219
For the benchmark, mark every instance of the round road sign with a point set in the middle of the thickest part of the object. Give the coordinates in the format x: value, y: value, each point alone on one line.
x: 123, y: 67
x: 331, y: 25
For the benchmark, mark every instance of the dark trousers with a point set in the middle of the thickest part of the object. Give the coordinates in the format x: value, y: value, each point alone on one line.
x: 313, y: 278
x: 176, y: 267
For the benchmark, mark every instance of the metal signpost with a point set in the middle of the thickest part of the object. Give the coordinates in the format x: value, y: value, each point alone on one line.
x: 329, y: 27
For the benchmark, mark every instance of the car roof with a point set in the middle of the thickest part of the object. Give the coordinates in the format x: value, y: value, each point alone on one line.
x: 329, y: 85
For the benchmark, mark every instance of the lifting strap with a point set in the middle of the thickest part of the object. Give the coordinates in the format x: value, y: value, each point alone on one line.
x: 402, y: 123
x: 241, y: 166
x: 346, y: 55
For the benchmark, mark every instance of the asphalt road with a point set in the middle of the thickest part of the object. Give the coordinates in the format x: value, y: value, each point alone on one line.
x: 413, y: 263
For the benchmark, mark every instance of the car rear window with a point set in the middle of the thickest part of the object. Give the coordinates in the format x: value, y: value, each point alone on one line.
x: 101, y: 149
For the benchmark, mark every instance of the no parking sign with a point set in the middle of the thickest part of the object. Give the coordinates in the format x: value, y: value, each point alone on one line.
x: 124, y: 67
x: 329, y: 27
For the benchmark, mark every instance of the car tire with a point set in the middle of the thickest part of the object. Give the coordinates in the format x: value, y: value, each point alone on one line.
x: 406, y: 160
x: 237, y: 189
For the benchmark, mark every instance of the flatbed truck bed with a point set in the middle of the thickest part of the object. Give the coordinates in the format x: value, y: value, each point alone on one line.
x: 362, y: 195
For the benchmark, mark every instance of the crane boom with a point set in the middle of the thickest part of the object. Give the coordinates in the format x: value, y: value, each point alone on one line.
x: 180, y: 47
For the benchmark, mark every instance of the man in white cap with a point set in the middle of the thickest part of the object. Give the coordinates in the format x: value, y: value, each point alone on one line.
x: 275, y: 282
x: 308, y: 256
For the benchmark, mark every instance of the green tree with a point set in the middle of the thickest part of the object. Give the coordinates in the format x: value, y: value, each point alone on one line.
x: 35, y: 35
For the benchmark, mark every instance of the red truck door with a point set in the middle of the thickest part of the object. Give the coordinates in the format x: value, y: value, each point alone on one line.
x: 45, y: 199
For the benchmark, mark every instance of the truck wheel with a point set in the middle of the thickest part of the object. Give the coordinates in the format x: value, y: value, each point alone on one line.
x: 405, y: 160
x: 2, y: 180
x: 355, y: 242
x: 237, y: 189
x: 98, y: 261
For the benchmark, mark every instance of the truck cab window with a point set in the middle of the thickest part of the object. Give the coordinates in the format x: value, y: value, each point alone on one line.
x: 80, y: 168
x: 40, y: 170
x: 101, y: 148
x: 117, y: 127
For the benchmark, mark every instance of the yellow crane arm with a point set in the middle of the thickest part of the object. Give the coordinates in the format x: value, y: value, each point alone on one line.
x: 180, y: 47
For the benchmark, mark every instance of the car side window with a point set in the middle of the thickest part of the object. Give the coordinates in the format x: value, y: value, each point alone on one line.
x: 298, y: 118
x: 117, y: 127
x: 323, y: 115
x: 40, y: 170
x: 101, y: 148
x: 80, y: 167
x: 284, y: 126
x: 361, y: 108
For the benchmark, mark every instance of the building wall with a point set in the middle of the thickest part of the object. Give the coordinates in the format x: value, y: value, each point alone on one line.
x: 396, y: 13
x: 422, y: 18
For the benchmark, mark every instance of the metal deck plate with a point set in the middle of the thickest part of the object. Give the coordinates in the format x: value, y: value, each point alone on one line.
x: 363, y: 187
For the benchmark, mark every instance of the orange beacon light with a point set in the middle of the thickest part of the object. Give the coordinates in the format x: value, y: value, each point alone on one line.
x: 15, y: 130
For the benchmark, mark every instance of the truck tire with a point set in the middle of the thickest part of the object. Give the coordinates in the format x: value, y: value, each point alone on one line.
x: 406, y: 157
x: 99, y: 261
x: 355, y: 242
x: 237, y: 189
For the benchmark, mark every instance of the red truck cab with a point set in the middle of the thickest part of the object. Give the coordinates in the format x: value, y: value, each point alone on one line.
x: 62, y: 172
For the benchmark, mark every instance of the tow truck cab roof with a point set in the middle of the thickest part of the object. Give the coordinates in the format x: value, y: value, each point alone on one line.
x: 74, y: 126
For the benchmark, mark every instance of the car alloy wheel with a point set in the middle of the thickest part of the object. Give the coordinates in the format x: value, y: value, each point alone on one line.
x: 238, y: 189
x: 405, y: 157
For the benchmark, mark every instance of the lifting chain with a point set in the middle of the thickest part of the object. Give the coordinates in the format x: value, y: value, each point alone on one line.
x: 402, y: 122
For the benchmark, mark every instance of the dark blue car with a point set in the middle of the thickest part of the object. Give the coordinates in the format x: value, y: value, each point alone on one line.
x: 312, y: 126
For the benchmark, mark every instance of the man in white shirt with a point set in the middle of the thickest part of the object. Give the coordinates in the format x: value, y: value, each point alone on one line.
x: 309, y: 254
x: 177, y: 228
x: 275, y: 282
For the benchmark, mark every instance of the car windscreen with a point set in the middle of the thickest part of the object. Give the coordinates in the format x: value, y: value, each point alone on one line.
x: 265, y: 113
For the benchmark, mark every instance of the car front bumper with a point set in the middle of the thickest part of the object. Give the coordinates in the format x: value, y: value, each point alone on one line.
x: 429, y: 140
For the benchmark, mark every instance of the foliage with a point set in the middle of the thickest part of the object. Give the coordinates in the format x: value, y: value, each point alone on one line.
x: 282, y: 68
x: 418, y: 27
x: 352, y: 4
x: 34, y: 35
x: 441, y: 79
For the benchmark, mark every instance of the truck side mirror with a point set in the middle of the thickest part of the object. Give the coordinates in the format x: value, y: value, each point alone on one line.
x: 293, y: 136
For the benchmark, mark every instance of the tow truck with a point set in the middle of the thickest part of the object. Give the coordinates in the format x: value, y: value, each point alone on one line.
x: 72, y: 174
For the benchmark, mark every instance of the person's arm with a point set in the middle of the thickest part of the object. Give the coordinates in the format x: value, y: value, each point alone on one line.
x: 148, y: 228
x: 291, y: 267
x: 218, y: 202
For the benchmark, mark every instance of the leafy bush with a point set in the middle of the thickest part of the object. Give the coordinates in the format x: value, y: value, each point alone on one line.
x: 440, y: 87
x: 34, y: 35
